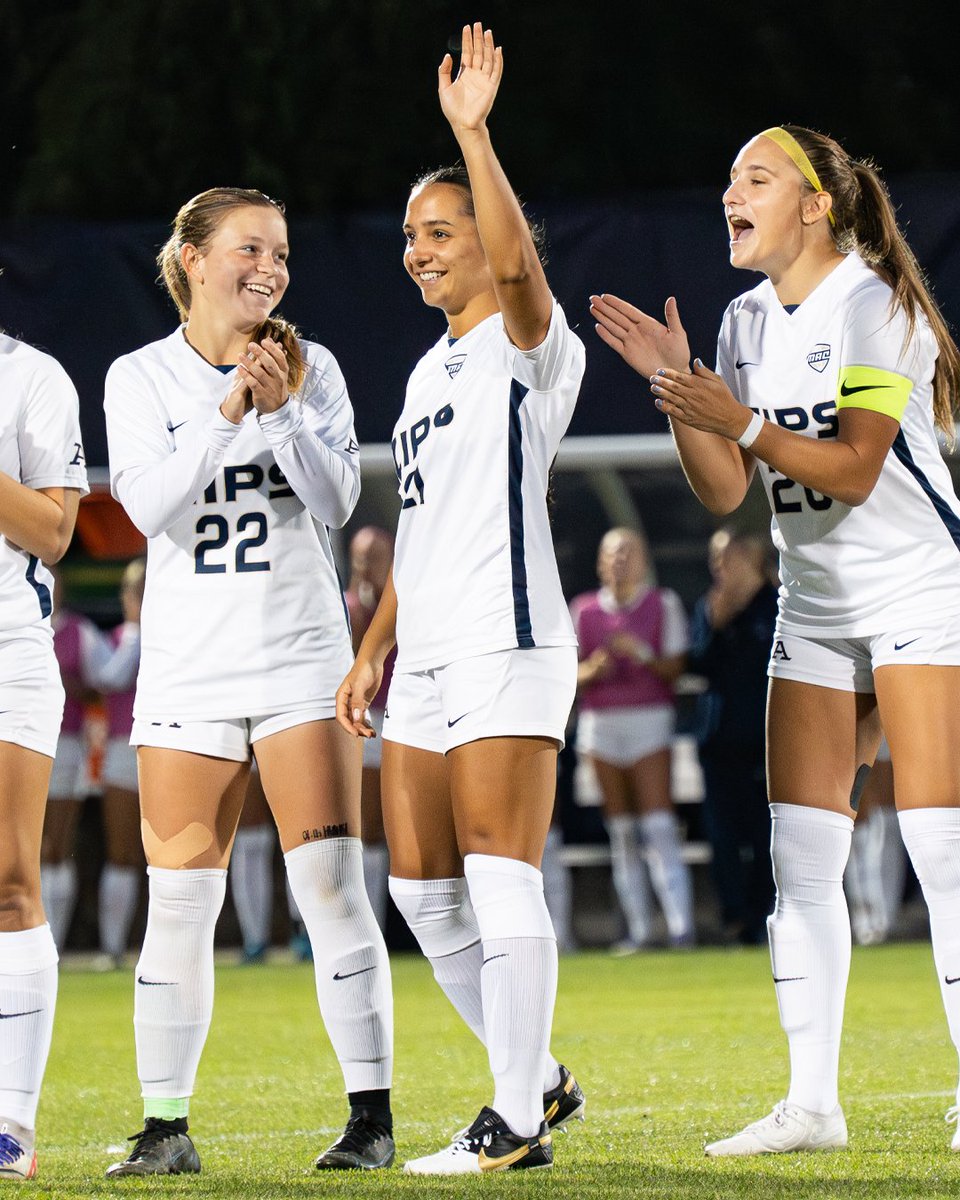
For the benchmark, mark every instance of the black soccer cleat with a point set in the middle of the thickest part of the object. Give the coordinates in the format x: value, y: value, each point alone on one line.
x: 566, y: 1102
x: 160, y: 1148
x: 365, y: 1145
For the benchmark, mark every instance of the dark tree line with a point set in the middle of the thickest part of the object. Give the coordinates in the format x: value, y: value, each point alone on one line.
x: 123, y: 109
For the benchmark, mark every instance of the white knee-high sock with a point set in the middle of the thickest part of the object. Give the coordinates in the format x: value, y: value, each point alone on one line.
x: 630, y: 878
x: 118, y: 893
x: 856, y: 881
x: 173, y: 997
x: 932, y: 838
x: 58, y: 894
x: 810, y: 945
x: 350, y: 959
x: 28, y: 997
x: 557, y: 890
x: 669, y: 874
x: 376, y: 871
x: 518, y: 982
x: 441, y: 918
x: 251, y: 883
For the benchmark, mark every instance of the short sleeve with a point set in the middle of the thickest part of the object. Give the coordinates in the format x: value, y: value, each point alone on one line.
x: 880, y: 364
x: 558, y: 359
x: 48, y: 434
x: 725, y: 353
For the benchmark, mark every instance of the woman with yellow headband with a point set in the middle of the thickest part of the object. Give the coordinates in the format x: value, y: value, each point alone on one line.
x: 833, y: 376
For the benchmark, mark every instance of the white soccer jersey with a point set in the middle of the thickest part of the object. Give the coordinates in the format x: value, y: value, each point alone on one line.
x: 40, y: 447
x: 894, y: 560
x: 475, y: 569
x: 243, y: 612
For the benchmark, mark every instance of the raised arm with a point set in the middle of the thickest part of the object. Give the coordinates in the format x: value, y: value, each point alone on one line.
x: 518, y: 279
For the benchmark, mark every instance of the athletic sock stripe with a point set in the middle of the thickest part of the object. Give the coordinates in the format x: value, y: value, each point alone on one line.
x: 518, y: 563
x: 946, y: 514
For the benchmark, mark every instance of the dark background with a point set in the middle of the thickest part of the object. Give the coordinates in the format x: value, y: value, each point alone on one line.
x: 616, y: 122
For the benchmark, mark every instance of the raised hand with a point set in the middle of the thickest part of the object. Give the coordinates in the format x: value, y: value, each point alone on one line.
x: 466, y: 101
x: 641, y: 341
x: 238, y: 402
x: 264, y: 369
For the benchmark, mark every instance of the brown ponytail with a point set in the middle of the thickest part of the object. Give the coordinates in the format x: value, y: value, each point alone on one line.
x: 866, y: 222
x: 194, y: 225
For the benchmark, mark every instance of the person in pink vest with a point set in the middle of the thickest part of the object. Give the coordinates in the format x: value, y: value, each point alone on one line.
x: 633, y: 641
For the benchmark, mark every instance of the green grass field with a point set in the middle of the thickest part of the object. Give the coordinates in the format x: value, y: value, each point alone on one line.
x: 671, y: 1049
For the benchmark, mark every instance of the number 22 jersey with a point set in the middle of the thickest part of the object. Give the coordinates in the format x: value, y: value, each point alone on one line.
x: 475, y: 570
x: 850, y: 571
x: 242, y: 612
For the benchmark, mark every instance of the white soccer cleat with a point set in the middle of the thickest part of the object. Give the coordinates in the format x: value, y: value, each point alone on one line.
x: 953, y: 1118
x: 788, y: 1128
x: 18, y: 1159
x: 489, y: 1144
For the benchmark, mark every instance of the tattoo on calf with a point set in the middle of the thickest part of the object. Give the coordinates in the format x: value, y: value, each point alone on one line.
x: 325, y: 831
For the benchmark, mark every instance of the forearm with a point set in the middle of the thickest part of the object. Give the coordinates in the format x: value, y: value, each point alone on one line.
x: 37, y: 520
x: 381, y: 635
x: 714, y: 466
x: 157, y: 494
x: 325, y: 480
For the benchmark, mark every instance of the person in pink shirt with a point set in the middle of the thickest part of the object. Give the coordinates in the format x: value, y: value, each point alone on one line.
x: 633, y: 640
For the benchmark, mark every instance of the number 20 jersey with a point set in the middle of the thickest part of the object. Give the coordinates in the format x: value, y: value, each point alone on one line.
x: 849, y: 571
x: 475, y: 570
x: 242, y: 612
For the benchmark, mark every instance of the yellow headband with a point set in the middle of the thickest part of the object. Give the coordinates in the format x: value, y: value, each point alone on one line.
x: 789, y: 145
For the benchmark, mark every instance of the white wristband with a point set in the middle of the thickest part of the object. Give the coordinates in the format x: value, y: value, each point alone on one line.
x: 752, y: 431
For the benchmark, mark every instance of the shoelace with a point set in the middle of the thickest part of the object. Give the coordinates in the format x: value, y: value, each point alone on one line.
x: 147, y: 1138
x: 355, y: 1137
x: 472, y: 1141
x: 953, y: 1115
x: 10, y: 1148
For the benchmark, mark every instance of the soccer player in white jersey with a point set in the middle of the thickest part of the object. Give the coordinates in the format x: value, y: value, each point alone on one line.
x: 833, y: 376
x: 232, y: 449
x: 42, y: 476
x: 486, y: 666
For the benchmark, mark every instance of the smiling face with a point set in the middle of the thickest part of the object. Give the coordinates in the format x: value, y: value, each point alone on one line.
x: 766, y: 205
x: 444, y: 255
x: 241, y: 274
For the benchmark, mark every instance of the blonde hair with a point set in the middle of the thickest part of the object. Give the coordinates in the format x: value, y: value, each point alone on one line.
x: 194, y: 225
x: 866, y: 221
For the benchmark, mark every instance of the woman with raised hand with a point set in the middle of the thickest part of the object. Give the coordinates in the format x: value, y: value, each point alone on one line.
x: 833, y: 378
x: 232, y: 449
x: 42, y: 477
x: 487, y: 664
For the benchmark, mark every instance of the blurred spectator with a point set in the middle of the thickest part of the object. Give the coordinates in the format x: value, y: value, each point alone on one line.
x: 633, y: 639
x: 877, y: 868
x: 731, y: 636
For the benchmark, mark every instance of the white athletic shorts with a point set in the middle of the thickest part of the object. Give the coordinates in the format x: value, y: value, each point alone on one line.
x: 622, y: 736
x: 31, y: 692
x: 224, y: 739
x: 372, y: 747
x: 509, y: 693
x: 847, y: 664
x: 120, y: 765
x: 68, y: 764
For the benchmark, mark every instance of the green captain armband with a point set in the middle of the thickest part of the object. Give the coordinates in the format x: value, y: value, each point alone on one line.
x: 879, y: 391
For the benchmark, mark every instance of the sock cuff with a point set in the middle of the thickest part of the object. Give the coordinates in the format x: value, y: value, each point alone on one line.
x: 492, y: 864
x: 453, y: 888
x: 801, y: 814
x: 660, y: 818
x: 27, y: 951
x: 169, y: 875
x: 915, y: 821
x: 337, y: 848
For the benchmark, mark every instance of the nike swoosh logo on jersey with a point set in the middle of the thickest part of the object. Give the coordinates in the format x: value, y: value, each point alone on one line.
x: 450, y: 724
x: 864, y: 387
x: 740, y: 365
x: 947, y: 980
x: 350, y: 974
x: 903, y: 645
x: 27, y: 1013
x: 154, y: 982
x: 174, y: 428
